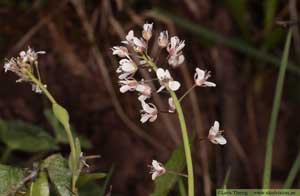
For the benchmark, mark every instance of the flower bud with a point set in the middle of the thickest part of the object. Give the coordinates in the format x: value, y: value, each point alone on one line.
x: 163, y: 39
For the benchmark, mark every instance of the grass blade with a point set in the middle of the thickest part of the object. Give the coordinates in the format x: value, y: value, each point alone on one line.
x: 226, y: 178
x: 293, y: 172
x: 275, y: 110
x: 270, y: 9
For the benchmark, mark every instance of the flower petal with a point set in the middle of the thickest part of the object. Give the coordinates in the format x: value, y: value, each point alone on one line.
x: 209, y: 84
x: 200, y: 74
x: 214, y: 129
x: 160, y: 73
x: 174, y: 85
x: 220, y: 139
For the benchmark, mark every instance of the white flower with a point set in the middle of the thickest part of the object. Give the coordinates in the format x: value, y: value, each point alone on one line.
x: 156, y: 169
x: 10, y: 65
x: 201, y: 78
x: 172, y: 107
x: 174, y: 49
x: 165, y: 79
x: 30, y: 55
x: 138, y: 44
x: 128, y: 85
x: 144, y: 89
x: 215, y: 135
x: 163, y: 39
x: 147, y: 31
x: 175, y: 46
x: 127, y: 67
x: 176, y: 60
x: 35, y: 88
x: 121, y: 51
x: 149, y: 112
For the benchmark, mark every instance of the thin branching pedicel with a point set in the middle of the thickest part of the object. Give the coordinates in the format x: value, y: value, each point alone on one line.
x: 134, y: 57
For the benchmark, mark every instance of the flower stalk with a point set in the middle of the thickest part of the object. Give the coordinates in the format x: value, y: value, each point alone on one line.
x: 184, y: 132
x: 67, y: 128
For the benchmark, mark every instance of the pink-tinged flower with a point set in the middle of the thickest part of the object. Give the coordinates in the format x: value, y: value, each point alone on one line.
x: 215, y: 135
x: 163, y: 39
x: 138, y: 45
x: 127, y: 68
x: 176, y: 60
x: 175, y: 46
x: 120, y: 51
x: 149, y: 112
x: 128, y: 85
x: 156, y: 169
x: 30, y: 56
x: 174, y: 49
x: 201, y: 78
x: 144, y: 89
x: 172, y: 107
x: 147, y: 31
x: 166, y: 80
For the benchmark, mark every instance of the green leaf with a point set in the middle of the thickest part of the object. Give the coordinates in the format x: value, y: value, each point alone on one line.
x: 90, y: 189
x: 109, y: 175
x: 275, y: 112
x: 293, y: 173
x: 176, y: 163
x: 86, y: 178
x: 19, y: 135
x: 270, y: 10
x: 10, y: 178
x: 225, y: 183
x: 60, y: 133
x: 61, y: 114
x: 59, y: 174
x: 39, y: 187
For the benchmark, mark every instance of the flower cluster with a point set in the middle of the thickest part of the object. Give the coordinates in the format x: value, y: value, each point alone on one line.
x: 134, y: 56
x: 23, y: 65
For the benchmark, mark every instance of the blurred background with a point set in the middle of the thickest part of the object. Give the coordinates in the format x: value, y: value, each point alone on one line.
x: 237, y: 40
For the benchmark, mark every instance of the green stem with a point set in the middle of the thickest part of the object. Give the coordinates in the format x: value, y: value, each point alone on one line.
x: 184, y: 133
x: 6, y: 155
x: 66, y: 127
x: 41, y: 86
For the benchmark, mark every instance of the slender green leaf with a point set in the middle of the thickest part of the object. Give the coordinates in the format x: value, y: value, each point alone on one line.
x: 108, y: 177
x: 234, y: 43
x: 176, y: 163
x: 18, y: 135
x: 226, y: 178
x: 275, y: 111
x: 10, y: 179
x: 270, y: 10
x: 181, y: 187
x: 59, y: 174
x: 39, y: 187
x: 86, y: 178
x: 292, y: 174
